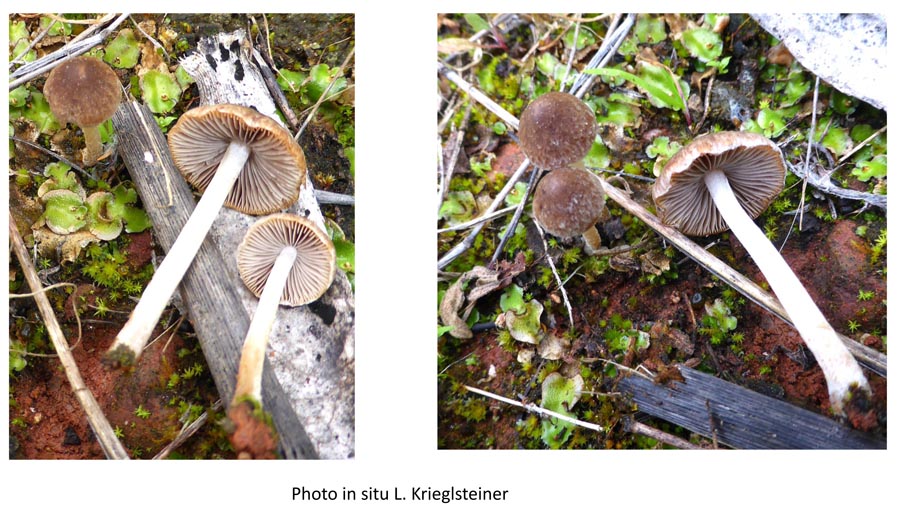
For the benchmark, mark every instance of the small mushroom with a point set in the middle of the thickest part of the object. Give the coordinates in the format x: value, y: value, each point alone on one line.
x: 556, y: 129
x: 84, y: 91
x: 284, y: 259
x: 243, y: 160
x: 568, y: 202
x: 723, y: 181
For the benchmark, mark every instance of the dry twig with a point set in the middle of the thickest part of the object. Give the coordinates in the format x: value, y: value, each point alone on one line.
x: 111, y: 445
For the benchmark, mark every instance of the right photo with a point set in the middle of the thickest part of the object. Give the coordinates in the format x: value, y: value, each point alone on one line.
x: 661, y: 231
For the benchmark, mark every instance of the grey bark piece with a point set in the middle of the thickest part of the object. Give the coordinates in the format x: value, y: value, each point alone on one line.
x: 849, y: 51
x: 311, y: 348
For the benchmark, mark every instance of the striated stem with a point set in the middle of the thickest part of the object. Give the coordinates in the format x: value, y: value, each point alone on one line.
x: 93, y: 147
x: 841, y: 370
x: 136, y: 332
x: 249, y: 378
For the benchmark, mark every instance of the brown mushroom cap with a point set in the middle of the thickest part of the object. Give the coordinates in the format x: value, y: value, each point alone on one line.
x: 84, y: 91
x: 274, y: 171
x: 556, y: 129
x: 568, y: 202
x: 754, y: 167
x: 313, y: 268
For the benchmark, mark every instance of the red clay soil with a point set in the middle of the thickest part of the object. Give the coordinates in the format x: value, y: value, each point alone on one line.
x: 251, y: 437
x: 47, y: 420
x: 56, y: 425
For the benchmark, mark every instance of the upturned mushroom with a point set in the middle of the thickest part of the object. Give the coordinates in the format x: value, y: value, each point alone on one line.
x: 723, y: 181
x: 284, y: 259
x: 556, y: 129
x: 84, y: 91
x: 568, y: 202
x: 239, y: 158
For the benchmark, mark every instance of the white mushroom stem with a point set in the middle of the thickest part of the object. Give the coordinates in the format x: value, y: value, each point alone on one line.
x: 249, y: 377
x: 842, y: 372
x: 136, y: 332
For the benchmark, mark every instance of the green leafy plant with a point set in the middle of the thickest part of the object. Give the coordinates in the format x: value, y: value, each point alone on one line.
x: 706, y: 45
x: 160, y: 91
x: 717, y: 322
x: 38, y: 111
x: 64, y: 211
x: 19, y: 39
x: 559, y: 394
x: 141, y: 413
x: 57, y: 29
x: 17, y: 361
x: 661, y: 149
x: 879, y: 246
x: 459, y: 207
x: 656, y: 81
x: 123, y: 51
x: 621, y: 335
x: 59, y: 177
x: 344, y: 249
x: 522, y: 318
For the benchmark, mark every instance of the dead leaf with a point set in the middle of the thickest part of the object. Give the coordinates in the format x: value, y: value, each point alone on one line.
x: 453, y: 45
x: 655, y: 262
x: 66, y: 247
x: 552, y: 347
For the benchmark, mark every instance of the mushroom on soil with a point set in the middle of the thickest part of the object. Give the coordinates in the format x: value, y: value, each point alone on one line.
x: 244, y: 160
x: 556, y: 129
x: 721, y: 181
x: 568, y: 202
x: 284, y: 259
x: 84, y: 91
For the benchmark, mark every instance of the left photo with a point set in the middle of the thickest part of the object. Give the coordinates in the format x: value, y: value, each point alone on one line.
x: 181, y: 219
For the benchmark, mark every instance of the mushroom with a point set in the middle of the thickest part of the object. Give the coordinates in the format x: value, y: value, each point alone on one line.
x: 556, y: 129
x: 243, y: 160
x: 567, y: 203
x: 724, y: 180
x: 84, y: 91
x: 284, y: 259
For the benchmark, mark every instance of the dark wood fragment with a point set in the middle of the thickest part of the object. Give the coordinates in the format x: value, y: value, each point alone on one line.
x: 741, y: 418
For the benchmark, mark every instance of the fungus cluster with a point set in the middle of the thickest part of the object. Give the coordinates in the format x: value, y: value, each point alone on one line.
x: 84, y: 91
x: 240, y: 159
x: 722, y: 181
x: 556, y: 132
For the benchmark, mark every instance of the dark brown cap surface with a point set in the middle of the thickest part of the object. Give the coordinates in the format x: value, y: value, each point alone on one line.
x: 274, y: 172
x: 568, y: 202
x: 84, y: 91
x: 313, y: 268
x: 754, y: 167
x: 556, y: 129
